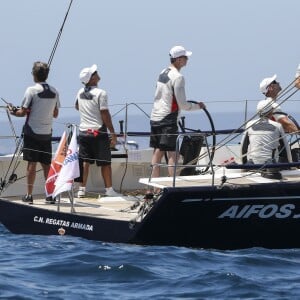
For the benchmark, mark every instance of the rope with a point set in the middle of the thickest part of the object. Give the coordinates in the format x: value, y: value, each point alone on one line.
x: 59, y: 35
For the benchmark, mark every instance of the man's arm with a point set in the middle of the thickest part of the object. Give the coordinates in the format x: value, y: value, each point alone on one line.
x: 17, y: 111
x: 287, y: 125
x: 106, y: 117
x: 55, y: 112
x: 179, y: 91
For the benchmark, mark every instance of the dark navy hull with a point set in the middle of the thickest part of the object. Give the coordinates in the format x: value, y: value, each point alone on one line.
x: 27, y: 219
x: 227, y: 218
x: 231, y: 217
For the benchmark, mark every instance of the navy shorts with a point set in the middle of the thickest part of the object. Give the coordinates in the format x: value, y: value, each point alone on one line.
x: 35, y: 150
x: 95, y: 149
x: 164, y: 137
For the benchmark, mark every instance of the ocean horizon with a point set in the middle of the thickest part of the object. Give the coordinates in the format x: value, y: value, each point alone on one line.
x: 135, y: 123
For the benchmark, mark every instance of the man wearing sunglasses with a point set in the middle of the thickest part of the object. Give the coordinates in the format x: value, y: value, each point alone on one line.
x: 271, y: 88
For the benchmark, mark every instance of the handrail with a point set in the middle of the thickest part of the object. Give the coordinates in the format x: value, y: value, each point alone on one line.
x: 204, y: 132
x: 262, y: 166
x: 177, y: 165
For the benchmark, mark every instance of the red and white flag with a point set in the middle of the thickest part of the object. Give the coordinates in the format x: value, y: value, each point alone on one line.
x: 70, y: 168
x: 56, y: 165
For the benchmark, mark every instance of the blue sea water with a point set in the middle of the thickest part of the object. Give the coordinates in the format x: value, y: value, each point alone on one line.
x: 62, y: 267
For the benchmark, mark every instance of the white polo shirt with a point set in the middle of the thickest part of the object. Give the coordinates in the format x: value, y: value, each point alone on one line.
x: 90, y: 101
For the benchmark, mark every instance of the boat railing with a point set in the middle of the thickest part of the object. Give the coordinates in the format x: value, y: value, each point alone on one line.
x: 208, y: 166
x: 194, y: 163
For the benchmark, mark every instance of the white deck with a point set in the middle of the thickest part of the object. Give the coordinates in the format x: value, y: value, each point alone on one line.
x: 117, y: 208
x: 232, y: 177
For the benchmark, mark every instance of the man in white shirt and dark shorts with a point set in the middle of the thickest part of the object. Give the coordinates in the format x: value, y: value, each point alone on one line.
x: 169, y: 100
x: 95, y: 119
x: 40, y: 105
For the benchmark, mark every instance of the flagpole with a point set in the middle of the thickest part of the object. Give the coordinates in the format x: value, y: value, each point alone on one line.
x: 71, y: 197
x: 70, y: 167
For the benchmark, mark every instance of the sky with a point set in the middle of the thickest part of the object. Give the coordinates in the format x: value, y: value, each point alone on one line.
x: 235, y: 44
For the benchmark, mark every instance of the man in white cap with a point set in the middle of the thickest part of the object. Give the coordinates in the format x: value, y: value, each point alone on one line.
x: 169, y: 100
x: 271, y: 88
x: 95, y: 119
x: 263, y: 137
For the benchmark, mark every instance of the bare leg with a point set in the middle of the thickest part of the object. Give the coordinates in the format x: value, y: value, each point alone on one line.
x: 171, y: 162
x: 31, y: 172
x: 46, y: 170
x: 156, y: 159
x: 85, y: 173
x: 106, y: 174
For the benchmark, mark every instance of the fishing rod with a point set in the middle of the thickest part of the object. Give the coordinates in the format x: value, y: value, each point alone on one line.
x: 10, y: 107
x: 59, y: 35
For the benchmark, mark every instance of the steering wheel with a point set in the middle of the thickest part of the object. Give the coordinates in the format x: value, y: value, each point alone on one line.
x: 213, y: 133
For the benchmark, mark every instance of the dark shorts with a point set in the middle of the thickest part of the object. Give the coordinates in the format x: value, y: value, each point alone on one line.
x: 35, y: 150
x: 164, y: 137
x: 95, y: 149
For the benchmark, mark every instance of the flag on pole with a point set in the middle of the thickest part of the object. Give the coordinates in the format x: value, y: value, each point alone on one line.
x: 56, y: 165
x: 70, y: 167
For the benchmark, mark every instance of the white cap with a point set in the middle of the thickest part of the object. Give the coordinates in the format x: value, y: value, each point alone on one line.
x: 297, y: 72
x: 178, y: 51
x: 266, y: 106
x: 86, y: 74
x: 263, y: 86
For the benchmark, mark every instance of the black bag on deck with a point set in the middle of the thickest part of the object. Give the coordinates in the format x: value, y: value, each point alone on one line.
x: 190, y: 150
